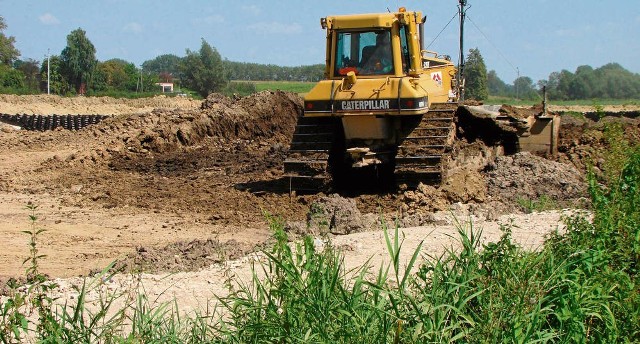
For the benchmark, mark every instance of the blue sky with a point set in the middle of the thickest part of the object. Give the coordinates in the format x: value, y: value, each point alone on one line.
x: 534, y: 37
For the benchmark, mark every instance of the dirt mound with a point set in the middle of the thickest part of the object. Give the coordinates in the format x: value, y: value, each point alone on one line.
x: 219, y: 121
x: 333, y: 214
x: 182, y: 256
x: 494, y: 183
x: 529, y: 177
x: 262, y: 121
x: 583, y: 141
x: 43, y: 104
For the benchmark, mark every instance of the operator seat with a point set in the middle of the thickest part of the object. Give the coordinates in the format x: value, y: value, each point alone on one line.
x: 367, y: 52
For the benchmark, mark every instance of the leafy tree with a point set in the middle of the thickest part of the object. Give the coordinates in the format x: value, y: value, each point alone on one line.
x: 610, y: 81
x: 552, y: 85
x: 525, y: 88
x: 203, y: 71
x: 8, y: 53
x: 115, y: 74
x: 31, y: 71
x: 163, y: 64
x: 57, y: 83
x: 497, y: 87
x: 262, y: 72
x: 475, y: 76
x: 11, y: 80
x: 78, y: 59
x: 564, y: 84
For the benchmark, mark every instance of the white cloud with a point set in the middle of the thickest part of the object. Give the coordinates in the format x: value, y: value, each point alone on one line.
x: 253, y: 9
x: 133, y: 27
x: 566, y: 33
x: 212, y: 19
x: 276, y: 28
x: 49, y: 19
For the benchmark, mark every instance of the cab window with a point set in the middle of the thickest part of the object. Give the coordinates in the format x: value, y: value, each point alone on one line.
x: 404, y: 46
x: 364, y: 52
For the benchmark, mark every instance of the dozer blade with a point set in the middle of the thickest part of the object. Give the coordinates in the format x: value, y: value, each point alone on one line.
x: 516, y: 129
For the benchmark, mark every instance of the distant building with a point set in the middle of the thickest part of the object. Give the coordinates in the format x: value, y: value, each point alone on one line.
x: 167, y: 87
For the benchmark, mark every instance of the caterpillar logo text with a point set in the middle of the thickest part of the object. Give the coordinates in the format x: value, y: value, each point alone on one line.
x: 365, y: 104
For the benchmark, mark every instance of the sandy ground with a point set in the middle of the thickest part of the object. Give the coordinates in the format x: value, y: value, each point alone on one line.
x: 197, y: 290
x: 179, y: 188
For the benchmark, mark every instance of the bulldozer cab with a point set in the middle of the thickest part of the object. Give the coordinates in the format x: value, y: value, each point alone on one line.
x: 368, y: 53
x: 373, y: 45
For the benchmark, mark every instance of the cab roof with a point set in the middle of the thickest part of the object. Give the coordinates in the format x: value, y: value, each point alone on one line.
x: 362, y: 21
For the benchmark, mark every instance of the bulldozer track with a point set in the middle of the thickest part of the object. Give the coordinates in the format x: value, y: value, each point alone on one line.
x: 421, y: 155
x: 51, y: 122
x: 307, y: 164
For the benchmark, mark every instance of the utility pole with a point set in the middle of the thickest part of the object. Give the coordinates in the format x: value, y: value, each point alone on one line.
x: 516, y: 83
x: 48, y: 72
x: 462, y: 12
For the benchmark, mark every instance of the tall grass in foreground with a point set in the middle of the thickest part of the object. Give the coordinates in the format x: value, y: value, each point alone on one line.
x: 581, y: 287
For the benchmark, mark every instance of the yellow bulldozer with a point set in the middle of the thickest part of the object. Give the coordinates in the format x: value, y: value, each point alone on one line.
x: 386, y: 108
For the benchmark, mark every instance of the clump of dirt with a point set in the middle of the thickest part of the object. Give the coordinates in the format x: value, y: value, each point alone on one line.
x: 583, y: 141
x: 481, y: 175
x: 335, y: 215
x: 518, y: 112
x: 462, y: 186
x: 465, y: 185
x: 425, y: 198
x: 529, y: 177
x: 182, y: 256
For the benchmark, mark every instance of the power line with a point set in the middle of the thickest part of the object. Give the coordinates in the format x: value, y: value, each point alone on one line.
x: 494, y: 46
x: 444, y: 28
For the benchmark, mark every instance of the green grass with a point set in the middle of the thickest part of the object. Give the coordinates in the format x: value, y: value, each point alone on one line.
x: 544, y: 202
x: 582, y: 286
x: 287, y: 86
x: 493, y: 100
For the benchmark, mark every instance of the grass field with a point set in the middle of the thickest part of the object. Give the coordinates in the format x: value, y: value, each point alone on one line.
x: 583, y: 102
x: 288, y: 86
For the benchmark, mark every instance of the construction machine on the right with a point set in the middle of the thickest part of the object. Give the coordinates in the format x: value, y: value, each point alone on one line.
x: 388, y: 108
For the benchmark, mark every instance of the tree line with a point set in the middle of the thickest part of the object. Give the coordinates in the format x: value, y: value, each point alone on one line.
x: 610, y: 81
x: 77, y: 71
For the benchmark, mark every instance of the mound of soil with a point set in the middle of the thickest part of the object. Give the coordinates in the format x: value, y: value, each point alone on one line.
x: 583, y: 141
x: 529, y: 177
x: 182, y: 256
x: 265, y: 118
x: 335, y: 215
x: 43, y: 104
